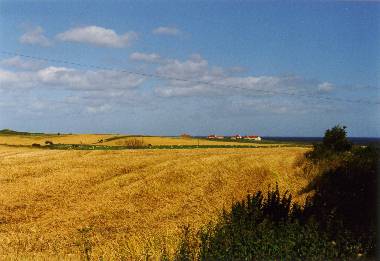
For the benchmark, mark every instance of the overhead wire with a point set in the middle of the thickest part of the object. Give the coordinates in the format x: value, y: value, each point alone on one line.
x: 192, y: 81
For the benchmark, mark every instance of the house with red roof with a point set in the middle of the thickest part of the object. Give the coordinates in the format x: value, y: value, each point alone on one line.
x: 236, y: 137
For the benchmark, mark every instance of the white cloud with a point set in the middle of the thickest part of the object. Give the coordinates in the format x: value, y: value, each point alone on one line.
x: 205, y: 80
x: 89, y: 91
x: 19, y: 80
x: 18, y: 62
x: 192, y: 68
x: 69, y: 79
x: 98, y: 36
x: 35, y: 36
x: 325, y: 87
x: 145, y: 57
x: 99, y: 108
x: 164, y: 30
x: 93, y: 91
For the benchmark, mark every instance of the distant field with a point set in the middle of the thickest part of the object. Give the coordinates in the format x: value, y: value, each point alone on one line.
x: 120, y: 140
x: 123, y: 203
x: 40, y: 139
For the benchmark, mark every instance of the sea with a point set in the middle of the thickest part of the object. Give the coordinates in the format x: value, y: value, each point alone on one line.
x: 355, y: 140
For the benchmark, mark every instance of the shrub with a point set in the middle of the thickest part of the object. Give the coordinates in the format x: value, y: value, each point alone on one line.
x: 48, y: 142
x: 185, y: 136
x: 345, y: 197
x: 261, y: 228
x: 132, y: 143
x: 334, y: 142
x: 338, y: 222
x: 335, y: 139
x: 187, y: 249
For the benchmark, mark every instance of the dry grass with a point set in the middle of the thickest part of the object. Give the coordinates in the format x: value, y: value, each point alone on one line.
x: 124, y: 204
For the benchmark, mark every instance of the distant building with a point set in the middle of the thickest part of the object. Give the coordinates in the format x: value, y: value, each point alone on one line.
x: 257, y: 138
x: 211, y: 137
x: 236, y: 137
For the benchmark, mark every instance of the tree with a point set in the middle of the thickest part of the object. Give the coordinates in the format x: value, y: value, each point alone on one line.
x: 335, y: 139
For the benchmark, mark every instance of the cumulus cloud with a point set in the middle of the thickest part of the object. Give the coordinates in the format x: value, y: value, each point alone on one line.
x: 202, y: 79
x: 18, y: 80
x: 145, y: 57
x: 93, y: 91
x: 194, y: 67
x: 97, y: 36
x: 325, y: 87
x: 35, y: 36
x: 70, y: 79
x: 88, y: 91
x: 18, y: 62
x: 164, y: 30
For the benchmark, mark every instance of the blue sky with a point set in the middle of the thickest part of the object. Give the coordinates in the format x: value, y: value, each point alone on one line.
x: 253, y: 53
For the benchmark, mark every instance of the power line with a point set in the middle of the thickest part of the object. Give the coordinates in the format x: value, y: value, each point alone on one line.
x: 164, y: 77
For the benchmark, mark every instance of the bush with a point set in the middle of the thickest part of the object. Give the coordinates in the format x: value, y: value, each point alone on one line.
x: 185, y: 136
x: 338, y: 222
x: 132, y: 143
x: 335, y: 139
x: 188, y: 246
x: 345, y: 197
x: 334, y: 142
x: 262, y: 228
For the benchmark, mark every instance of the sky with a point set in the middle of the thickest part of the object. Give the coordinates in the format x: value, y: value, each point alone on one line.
x: 289, y: 68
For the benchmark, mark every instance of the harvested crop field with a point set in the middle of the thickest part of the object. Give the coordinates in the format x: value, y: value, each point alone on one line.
x: 119, y: 140
x: 125, y: 204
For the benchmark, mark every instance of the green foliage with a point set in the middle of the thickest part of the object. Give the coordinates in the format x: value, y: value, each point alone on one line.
x: 334, y: 142
x: 335, y: 139
x: 264, y: 228
x: 268, y: 228
x: 267, y: 241
x: 338, y: 222
x: 13, y: 132
x: 149, y: 146
x: 345, y: 197
x: 187, y: 247
x: 85, y: 244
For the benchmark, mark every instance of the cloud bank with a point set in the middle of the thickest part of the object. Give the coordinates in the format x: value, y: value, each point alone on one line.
x: 201, y: 79
x: 203, y: 86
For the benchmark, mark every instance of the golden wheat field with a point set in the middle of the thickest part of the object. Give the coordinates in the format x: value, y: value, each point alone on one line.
x: 63, y: 139
x: 121, y: 140
x: 124, y: 204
